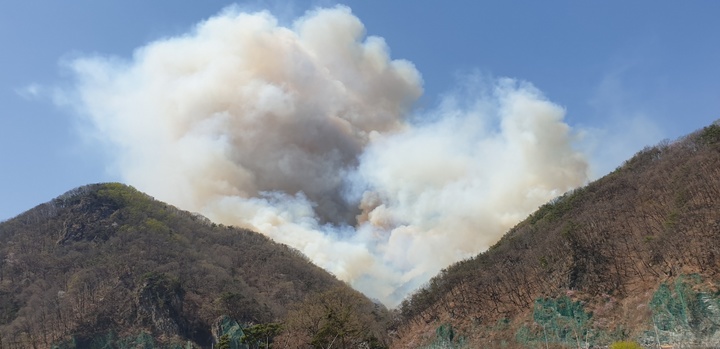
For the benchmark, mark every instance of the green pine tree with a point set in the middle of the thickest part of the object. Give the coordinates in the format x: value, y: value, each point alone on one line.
x: 224, y: 342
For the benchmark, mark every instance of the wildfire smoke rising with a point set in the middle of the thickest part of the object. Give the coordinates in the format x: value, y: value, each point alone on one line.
x: 303, y: 133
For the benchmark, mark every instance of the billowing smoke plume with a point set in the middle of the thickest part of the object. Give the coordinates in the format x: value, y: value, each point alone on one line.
x: 302, y: 133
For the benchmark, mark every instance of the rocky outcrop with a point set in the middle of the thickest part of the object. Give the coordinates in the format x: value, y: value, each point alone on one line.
x: 160, y: 305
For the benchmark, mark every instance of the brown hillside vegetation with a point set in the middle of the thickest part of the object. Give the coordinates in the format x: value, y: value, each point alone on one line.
x: 104, y: 263
x: 634, y: 255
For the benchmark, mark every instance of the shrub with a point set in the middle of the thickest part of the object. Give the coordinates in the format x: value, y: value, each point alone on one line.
x: 625, y: 345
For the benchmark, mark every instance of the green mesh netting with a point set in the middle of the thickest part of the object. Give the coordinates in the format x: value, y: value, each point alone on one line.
x: 557, y: 321
x: 234, y: 332
x: 446, y: 338
x: 685, y: 313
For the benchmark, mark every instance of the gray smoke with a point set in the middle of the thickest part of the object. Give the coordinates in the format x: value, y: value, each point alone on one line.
x: 302, y: 133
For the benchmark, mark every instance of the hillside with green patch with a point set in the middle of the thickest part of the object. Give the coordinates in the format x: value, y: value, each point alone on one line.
x: 106, y: 266
x: 633, y: 256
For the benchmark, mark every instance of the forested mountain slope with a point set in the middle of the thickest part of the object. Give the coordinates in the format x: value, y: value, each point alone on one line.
x: 632, y: 256
x: 107, y: 266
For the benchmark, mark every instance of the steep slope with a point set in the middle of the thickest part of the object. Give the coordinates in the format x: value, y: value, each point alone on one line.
x: 634, y: 255
x: 106, y: 265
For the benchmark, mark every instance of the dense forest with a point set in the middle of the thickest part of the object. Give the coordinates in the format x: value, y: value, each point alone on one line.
x: 608, y: 248
x: 105, y: 261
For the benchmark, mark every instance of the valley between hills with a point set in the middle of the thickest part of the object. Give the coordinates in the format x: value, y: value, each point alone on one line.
x: 630, y: 260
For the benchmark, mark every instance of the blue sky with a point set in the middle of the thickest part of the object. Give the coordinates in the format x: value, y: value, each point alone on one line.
x: 628, y: 73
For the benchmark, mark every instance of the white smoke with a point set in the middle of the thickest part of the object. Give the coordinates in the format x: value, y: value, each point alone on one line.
x: 302, y: 133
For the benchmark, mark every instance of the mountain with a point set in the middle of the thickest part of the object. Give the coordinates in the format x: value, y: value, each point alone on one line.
x: 634, y: 256
x: 106, y: 266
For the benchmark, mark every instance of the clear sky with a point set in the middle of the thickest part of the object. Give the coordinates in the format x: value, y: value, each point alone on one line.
x: 630, y: 72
